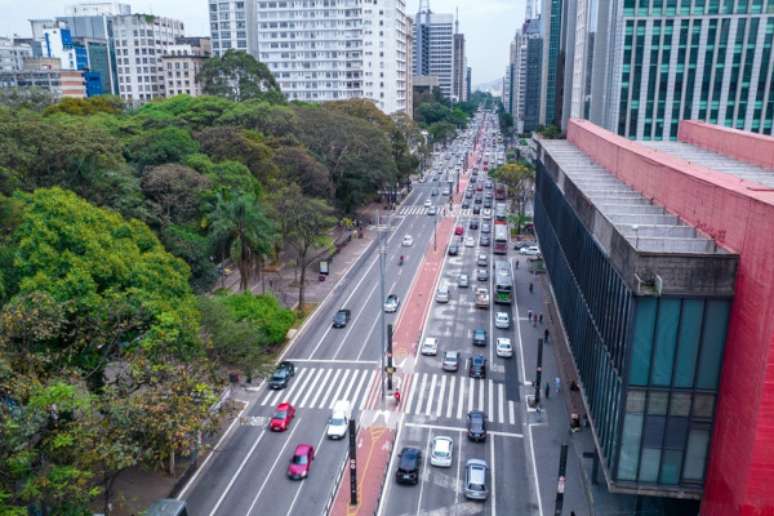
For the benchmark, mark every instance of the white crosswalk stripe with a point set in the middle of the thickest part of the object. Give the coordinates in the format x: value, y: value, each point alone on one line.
x: 453, y: 396
x: 321, y: 387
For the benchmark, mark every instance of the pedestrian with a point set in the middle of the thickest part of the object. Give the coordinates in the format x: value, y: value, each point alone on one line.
x: 558, y: 383
x: 530, y: 287
x: 534, y: 321
x: 545, y: 335
x: 548, y: 390
x: 540, y: 317
x: 529, y: 315
x: 517, y: 264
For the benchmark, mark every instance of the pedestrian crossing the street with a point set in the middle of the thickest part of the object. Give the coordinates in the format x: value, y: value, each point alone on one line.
x: 421, y: 210
x: 320, y: 388
x: 452, y: 397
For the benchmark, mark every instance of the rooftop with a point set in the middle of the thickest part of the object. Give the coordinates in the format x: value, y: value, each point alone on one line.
x: 646, y: 226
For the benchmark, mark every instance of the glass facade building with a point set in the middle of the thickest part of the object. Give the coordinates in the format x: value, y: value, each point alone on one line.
x: 649, y: 363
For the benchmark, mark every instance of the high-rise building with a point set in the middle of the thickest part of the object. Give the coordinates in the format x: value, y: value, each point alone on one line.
x: 46, y: 73
x: 640, y: 69
x: 552, y: 81
x: 523, y: 90
x: 434, y: 47
x: 459, y: 91
x: 181, y: 63
x: 409, y: 67
x: 140, y: 41
x: 13, y: 54
x: 469, y: 82
x: 233, y: 25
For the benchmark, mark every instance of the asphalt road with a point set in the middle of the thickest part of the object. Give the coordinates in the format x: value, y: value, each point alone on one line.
x: 247, y: 473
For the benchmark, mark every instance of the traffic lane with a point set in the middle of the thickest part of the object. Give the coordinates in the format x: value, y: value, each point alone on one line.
x: 511, y: 485
x: 264, y: 476
x: 403, y: 499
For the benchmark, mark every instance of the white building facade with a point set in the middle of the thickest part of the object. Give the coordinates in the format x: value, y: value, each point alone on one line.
x: 233, y: 25
x: 12, y: 55
x: 434, y: 48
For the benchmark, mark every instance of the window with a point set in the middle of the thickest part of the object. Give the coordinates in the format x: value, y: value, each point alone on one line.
x: 666, y: 335
x: 688, y: 342
x: 696, y: 454
x: 713, y: 339
x: 632, y: 431
x: 643, y: 341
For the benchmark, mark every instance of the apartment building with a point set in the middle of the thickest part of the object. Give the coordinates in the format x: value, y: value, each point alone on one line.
x: 434, y: 47
x: 181, y: 64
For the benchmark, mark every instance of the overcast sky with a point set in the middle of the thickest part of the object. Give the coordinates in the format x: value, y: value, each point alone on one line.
x: 489, y: 25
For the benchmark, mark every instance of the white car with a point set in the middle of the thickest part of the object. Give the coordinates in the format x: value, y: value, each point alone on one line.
x: 391, y: 303
x: 442, y: 451
x: 470, y: 241
x: 430, y: 346
x: 428, y: 203
x: 504, y: 348
x: 532, y: 250
x: 408, y: 241
x: 486, y: 213
x: 502, y: 320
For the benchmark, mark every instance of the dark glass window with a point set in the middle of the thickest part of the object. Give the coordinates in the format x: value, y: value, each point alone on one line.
x: 713, y: 338
x: 688, y: 342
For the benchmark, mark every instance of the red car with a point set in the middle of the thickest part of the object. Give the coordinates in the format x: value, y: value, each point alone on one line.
x: 301, y: 463
x: 283, y: 415
x: 459, y: 230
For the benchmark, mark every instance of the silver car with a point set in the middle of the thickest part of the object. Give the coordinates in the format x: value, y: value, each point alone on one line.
x: 451, y: 361
x: 442, y: 451
x: 476, y: 482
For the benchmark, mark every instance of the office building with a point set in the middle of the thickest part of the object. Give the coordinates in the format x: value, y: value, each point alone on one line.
x: 13, y: 54
x: 523, y: 89
x: 659, y: 254
x: 181, y: 63
x: 409, y: 67
x: 552, y: 79
x: 46, y: 74
x: 434, y: 47
x: 459, y: 91
x: 233, y: 25
x: 642, y: 68
x: 469, y: 81
x: 140, y: 40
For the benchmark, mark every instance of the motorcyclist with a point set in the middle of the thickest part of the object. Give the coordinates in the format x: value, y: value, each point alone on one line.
x: 396, y: 395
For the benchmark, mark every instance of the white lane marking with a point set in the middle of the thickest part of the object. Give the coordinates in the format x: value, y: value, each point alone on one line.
x: 352, y: 382
x: 347, y: 333
x: 471, y: 393
x: 430, y: 399
x: 441, y: 392
x: 364, y: 344
x: 285, y: 393
x: 368, y: 390
x: 458, y: 480
x: 491, y: 475
x: 320, y: 388
x: 333, y: 361
x: 450, y: 405
x: 293, y: 398
x: 448, y: 428
x: 481, y: 389
x: 534, y: 469
x: 236, y: 474
x: 518, y: 331
x: 358, y: 389
x: 331, y: 386
x: 410, y: 401
x: 421, y: 397
x: 310, y: 391
x: 491, y: 400
x: 425, y: 473
x: 338, y: 389
x: 387, y: 484
x: 511, y: 412
x: 302, y: 484
x: 210, y: 455
x: 500, y: 403
x: 461, y: 403
x: 274, y: 465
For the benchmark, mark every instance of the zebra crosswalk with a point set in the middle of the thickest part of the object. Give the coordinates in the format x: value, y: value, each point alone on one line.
x: 453, y: 396
x: 321, y: 387
x: 421, y: 210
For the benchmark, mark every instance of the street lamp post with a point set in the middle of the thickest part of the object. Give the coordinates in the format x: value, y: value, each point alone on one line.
x: 382, y: 255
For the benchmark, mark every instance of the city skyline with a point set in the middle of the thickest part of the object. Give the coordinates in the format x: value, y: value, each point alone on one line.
x: 487, y: 25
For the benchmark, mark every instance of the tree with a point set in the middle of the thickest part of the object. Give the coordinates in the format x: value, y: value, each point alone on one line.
x: 442, y: 132
x: 519, y: 177
x: 158, y: 146
x: 33, y: 98
x: 239, y: 227
x: 174, y: 191
x: 237, y: 144
x: 236, y: 75
x: 550, y: 132
x: 88, y: 106
x: 298, y: 166
x: 307, y: 222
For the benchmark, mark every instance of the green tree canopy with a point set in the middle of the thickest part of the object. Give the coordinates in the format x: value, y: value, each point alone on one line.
x: 236, y: 75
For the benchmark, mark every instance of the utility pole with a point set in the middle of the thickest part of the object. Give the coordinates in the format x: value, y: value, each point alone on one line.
x: 559, y: 503
x: 352, y: 463
x: 389, y: 357
x: 382, y: 256
x: 539, y: 372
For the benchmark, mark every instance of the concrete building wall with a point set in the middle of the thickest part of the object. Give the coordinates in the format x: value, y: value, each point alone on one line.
x: 741, y: 217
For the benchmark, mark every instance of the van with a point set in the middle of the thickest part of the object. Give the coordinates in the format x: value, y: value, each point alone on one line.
x: 338, y: 424
x: 475, y: 480
x: 442, y: 295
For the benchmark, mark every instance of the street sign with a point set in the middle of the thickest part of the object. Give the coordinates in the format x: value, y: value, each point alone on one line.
x: 390, y: 370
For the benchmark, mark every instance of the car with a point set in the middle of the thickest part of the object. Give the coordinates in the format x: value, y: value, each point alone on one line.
x: 338, y: 424
x: 463, y: 281
x: 391, y: 303
x: 465, y: 205
x: 409, y: 464
x: 482, y: 274
x: 477, y: 425
x: 477, y: 367
x: 476, y: 210
x: 428, y: 203
x: 473, y: 224
x: 407, y: 241
x: 487, y: 205
x: 459, y: 231
x: 454, y: 249
x: 283, y: 415
x: 470, y: 242
x: 442, y: 294
x: 482, y: 260
x: 432, y: 210
x: 484, y: 240
x: 486, y: 227
x: 476, y: 473
x: 488, y: 185
x: 477, y: 200
x: 532, y: 250
x: 479, y: 337
x: 502, y: 320
x: 301, y: 462
x: 341, y: 319
x: 435, y: 178
x: 442, y: 451
x: 522, y: 244
x: 429, y: 346
x: 281, y: 376
x: 504, y: 348
x: 473, y: 179
x: 487, y: 211
x: 434, y: 191
x: 451, y: 361
x: 479, y: 187
x: 468, y: 194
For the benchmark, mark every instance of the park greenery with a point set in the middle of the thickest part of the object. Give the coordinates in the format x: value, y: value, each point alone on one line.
x: 114, y: 225
x: 442, y: 118
x: 519, y: 179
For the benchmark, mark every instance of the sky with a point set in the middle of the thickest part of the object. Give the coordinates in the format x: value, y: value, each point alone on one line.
x: 488, y: 25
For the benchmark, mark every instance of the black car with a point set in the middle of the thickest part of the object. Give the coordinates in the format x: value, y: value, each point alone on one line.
x: 465, y: 205
x: 468, y: 194
x: 476, y: 209
x: 484, y: 241
x: 409, y: 462
x: 477, y: 367
x: 479, y: 337
x: 476, y: 425
x: 454, y: 249
x: 341, y: 318
x: 473, y: 224
x: 477, y: 200
x: 281, y: 376
x: 487, y: 203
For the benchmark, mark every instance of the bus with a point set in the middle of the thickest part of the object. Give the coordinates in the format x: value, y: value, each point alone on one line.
x: 503, y: 282
x: 500, y: 237
x: 501, y: 211
x: 499, y: 192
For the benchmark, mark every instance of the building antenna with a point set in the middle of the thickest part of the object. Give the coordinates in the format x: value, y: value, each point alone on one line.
x: 424, y: 6
x: 457, y: 21
x: 530, y: 9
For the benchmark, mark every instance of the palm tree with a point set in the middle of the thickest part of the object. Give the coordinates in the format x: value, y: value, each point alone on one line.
x: 240, y: 227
